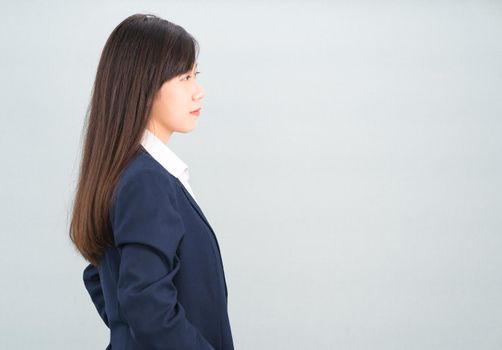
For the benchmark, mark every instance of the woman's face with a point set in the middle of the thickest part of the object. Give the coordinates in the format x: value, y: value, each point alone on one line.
x: 173, y: 104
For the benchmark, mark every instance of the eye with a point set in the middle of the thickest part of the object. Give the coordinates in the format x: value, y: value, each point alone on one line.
x: 189, y: 76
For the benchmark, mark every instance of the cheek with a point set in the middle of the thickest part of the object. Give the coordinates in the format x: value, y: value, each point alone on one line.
x: 181, y: 105
x: 176, y: 109
x: 175, y: 103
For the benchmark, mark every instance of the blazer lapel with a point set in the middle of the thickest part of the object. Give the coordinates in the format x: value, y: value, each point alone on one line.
x: 199, y: 211
x: 193, y: 203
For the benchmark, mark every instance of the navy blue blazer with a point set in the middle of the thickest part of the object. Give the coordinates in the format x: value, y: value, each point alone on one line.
x: 162, y: 284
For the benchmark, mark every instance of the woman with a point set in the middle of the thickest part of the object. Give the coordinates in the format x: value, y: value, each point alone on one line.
x: 155, y: 274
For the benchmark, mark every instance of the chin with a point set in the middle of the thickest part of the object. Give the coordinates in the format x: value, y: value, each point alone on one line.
x: 188, y: 128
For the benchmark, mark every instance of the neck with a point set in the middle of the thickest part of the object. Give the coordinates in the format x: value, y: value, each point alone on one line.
x: 163, y: 135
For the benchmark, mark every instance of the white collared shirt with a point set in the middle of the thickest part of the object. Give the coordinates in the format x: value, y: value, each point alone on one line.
x: 167, y: 158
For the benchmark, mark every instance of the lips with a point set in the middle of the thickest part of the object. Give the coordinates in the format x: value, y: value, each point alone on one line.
x: 196, y: 111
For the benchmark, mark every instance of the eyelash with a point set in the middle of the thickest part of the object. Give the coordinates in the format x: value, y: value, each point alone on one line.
x: 188, y: 76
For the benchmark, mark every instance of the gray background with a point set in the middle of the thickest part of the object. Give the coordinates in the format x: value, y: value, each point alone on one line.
x: 348, y: 156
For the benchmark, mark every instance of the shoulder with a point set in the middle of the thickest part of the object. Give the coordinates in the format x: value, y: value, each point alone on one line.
x: 145, y: 206
x: 144, y: 180
x: 143, y: 170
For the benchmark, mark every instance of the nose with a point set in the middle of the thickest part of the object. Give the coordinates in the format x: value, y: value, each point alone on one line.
x: 200, y: 93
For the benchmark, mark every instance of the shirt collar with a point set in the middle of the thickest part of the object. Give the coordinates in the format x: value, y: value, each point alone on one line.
x: 164, y: 155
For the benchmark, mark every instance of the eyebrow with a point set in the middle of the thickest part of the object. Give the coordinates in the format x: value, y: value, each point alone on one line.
x: 195, y: 68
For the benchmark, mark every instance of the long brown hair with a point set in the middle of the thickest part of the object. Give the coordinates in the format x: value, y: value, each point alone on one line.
x: 141, y: 53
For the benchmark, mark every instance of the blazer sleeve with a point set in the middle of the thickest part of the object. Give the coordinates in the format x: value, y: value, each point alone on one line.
x: 93, y: 285
x: 147, y: 230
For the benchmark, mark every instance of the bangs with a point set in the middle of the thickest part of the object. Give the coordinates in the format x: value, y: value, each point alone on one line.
x: 181, y: 58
